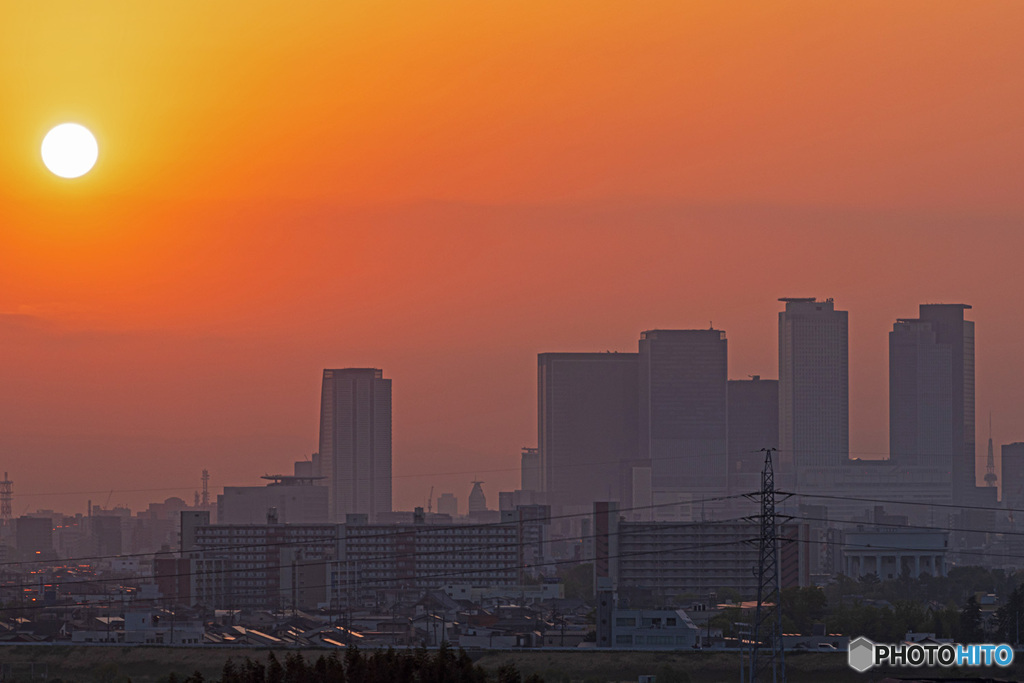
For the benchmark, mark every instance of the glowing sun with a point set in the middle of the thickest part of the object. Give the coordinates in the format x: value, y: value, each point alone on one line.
x: 70, y: 150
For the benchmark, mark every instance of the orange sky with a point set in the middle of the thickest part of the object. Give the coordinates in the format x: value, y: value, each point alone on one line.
x: 445, y: 189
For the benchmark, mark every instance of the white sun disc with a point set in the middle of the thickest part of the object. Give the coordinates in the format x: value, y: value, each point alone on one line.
x: 70, y: 150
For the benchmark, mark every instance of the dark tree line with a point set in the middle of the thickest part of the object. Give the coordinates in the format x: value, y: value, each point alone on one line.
x: 354, y: 666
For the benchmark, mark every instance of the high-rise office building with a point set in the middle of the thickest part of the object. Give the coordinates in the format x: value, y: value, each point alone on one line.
x: 931, y: 393
x: 952, y: 329
x: 684, y: 408
x: 448, y: 504
x: 355, y: 441
x: 1012, y: 476
x: 920, y: 396
x: 753, y: 425
x: 814, y: 388
x: 530, y: 472
x: 586, y: 426
x: 477, y: 499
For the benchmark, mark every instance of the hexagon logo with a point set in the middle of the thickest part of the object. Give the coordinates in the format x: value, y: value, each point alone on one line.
x: 861, y: 656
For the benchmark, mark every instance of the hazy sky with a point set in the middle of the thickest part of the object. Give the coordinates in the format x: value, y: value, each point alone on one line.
x: 443, y: 190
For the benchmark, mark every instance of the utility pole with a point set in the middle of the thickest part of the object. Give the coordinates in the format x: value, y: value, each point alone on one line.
x: 740, y: 633
x: 767, y: 658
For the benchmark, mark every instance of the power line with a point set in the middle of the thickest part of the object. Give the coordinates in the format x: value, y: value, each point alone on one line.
x: 875, y: 546
x: 899, y: 525
x: 535, y: 565
x: 901, y: 502
x: 477, y: 525
x: 721, y: 454
x: 328, y: 561
x: 462, y: 573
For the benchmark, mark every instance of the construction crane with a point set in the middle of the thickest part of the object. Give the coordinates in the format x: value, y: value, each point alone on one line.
x: 430, y: 500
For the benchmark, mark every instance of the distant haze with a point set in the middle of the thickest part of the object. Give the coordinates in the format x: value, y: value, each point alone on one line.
x: 443, y: 196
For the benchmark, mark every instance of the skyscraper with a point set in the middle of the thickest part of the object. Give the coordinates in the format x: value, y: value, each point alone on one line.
x: 448, y: 504
x: 355, y: 441
x: 477, y: 499
x: 920, y: 396
x: 814, y: 388
x: 1012, y: 477
x: 753, y: 425
x: 684, y: 408
x: 530, y: 473
x: 586, y: 425
x: 931, y: 393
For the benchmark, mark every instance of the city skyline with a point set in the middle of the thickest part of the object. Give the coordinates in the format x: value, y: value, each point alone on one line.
x: 449, y: 193
x: 555, y: 332
x: 506, y: 476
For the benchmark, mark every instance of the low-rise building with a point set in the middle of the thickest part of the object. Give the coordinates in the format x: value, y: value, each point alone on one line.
x: 648, y: 629
x: 296, y: 500
x: 890, y: 552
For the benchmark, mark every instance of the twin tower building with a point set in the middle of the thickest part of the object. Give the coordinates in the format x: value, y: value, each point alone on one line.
x: 666, y: 425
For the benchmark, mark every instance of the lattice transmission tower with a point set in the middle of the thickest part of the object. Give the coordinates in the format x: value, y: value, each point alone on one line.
x: 767, y: 660
x: 6, y: 496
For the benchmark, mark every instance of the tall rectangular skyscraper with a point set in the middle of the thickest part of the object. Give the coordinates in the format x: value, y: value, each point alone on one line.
x: 586, y: 425
x: 753, y: 425
x: 1012, y: 476
x: 684, y: 408
x: 920, y: 396
x: 814, y: 388
x: 931, y: 393
x: 355, y: 441
x: 529, y: 470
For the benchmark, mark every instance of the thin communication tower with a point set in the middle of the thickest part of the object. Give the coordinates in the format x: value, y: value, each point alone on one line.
x: 206, y: 488
x: 990, y: 464
x: 767, y: 660
x: 6, y: 496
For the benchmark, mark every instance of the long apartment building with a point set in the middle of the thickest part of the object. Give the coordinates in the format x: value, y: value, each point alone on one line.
x: 421, y: 556
x: 674, y: 559
x: 247, y: 566
x: 273, y: 566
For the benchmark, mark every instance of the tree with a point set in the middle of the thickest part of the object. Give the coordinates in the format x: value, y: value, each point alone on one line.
x: 295, y: 669
x: 870, y: 579
x: 275, y: 672
x: 1009, y: 616
x: 229, y: 674
x: 804, y: 606
x: 970, y: 626
x: 509, y: 673
x: 578, y: 581
x: 355, y: 665
x: 911, y: 615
